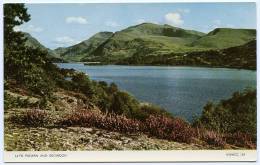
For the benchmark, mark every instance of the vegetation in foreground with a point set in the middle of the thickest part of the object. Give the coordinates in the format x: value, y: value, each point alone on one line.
x: 32, y: 99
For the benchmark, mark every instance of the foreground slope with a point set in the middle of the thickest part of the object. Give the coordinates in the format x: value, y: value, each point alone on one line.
x: 19, y: 137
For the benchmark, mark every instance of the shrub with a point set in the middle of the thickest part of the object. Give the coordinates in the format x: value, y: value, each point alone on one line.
x: 241, y: 140
x: 83, y: 83
x: 32, y: 118
x: 237, y: 114
x: 39, y: 83
x: 169, y: 128
x: 109, y: 121
x: 124, y: 104
x: 17, y: 102
x: 148, y: 109
x: 157, y: 126
x: 212, y: 138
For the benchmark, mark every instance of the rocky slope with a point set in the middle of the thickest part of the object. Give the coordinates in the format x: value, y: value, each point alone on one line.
x: 21, y: 137
x: 84, y: 139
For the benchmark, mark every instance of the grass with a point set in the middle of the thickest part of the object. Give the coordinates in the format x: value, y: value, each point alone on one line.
x: 152, y: 39
x: 223, y: 38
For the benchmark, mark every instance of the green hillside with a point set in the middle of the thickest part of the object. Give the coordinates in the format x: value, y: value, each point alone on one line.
x: 34, y: 43
x: 84, y: 48
x: 152, y: 44
x: 243, y: 56
x: 225, y: 37
x: 147, y: 37
x: 161, y: 30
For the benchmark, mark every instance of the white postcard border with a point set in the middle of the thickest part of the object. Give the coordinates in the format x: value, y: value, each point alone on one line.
x: 126, y: 156
x: 131, y: 156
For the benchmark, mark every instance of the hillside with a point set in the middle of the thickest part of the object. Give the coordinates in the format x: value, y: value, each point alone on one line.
x: 21, y: 137
x: 147, y: 37
x: 243, y: 56
x: 154, y: 40
x: 152, y: 44
x: 84, y: 48
x: 34, y: 43
x: 224, y: 37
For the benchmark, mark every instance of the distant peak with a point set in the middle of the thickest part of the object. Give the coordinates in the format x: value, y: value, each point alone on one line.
x: 106, y: 32
x: 224, y: 29
x: 147, y: 23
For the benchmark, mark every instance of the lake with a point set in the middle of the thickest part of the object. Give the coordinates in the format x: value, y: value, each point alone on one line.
x: 183, y: 91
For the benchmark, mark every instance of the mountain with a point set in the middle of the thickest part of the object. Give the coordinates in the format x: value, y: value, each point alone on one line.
x: 152, y: 44
x: 34, y: 43
x: 84, y: 48
x: 243, y: 56
x: 225, y: 37
x: 152, y: 40
x: 146, y: 38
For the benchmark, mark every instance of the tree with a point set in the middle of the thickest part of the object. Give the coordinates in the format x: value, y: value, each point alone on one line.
x: 125, y: 104
x: 26, y: 65
x: 14, y: 42
x: 14, y: 15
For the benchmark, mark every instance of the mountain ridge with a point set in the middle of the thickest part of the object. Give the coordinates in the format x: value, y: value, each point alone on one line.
x: 34, y: 43
x: 148, y: 40
x: 84, y: 47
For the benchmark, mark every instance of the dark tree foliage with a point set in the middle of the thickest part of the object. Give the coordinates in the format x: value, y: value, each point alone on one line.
x: 234, y: 115
x: 14, y: 15
x: 83, y: 84
x: 27, y: 66
x: 243, y: 56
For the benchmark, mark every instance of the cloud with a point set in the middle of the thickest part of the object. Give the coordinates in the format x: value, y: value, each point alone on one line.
x: 28, y: 28
x: 17, y: 28
x: 140, y: 21
x: 76, y: 20
x: 184, y: 11
x: 112, y: 24
x: 174, y: 19
x: 65, y: 41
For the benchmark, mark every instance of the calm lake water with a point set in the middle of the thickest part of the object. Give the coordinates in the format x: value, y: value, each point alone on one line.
x: 183, y: 91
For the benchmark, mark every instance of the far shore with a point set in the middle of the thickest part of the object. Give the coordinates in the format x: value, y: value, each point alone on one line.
x: 96, y: 63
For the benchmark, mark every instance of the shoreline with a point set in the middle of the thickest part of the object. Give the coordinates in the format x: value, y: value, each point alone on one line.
x: 173, y: 66
x: 188, y: 119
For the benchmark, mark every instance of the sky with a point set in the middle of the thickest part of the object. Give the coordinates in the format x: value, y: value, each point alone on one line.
x: 62, y: 25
